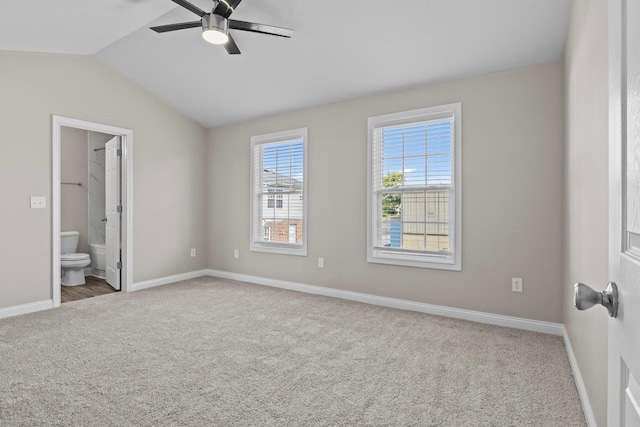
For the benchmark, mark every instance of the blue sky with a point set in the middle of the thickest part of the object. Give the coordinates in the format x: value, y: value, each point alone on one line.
x: 421, y: 152
x: 426, y: 149
x: 286, y: 158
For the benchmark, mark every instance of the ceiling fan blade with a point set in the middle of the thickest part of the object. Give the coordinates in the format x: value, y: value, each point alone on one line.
x: 231, y: 46
x: 179, y: 26
x: 226, y: 7
x: 191, y: 7
x: 260, y: 28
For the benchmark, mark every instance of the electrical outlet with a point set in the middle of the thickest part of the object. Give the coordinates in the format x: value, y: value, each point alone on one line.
x: 236, y: 253
x: 193, y: 252
x: 320, y: 262
x: 38, y: 202
x: 516, y: 284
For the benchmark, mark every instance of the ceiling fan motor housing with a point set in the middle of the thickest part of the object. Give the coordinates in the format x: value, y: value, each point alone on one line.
x: 211, y: 21
x: 215, y: 25
x: 215, y: 28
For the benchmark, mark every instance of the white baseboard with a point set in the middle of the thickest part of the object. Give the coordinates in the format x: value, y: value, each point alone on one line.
x: 457, y: 313
x: 475, y: 316
x: 48, y: 304
x: 168, y: 279
x: 577, y: 376
x: 31, y: 307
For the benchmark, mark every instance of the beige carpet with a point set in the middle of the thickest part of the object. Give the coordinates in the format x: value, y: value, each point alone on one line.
x: 211, y: 352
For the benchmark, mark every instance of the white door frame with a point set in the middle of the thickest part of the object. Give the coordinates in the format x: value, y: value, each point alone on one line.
x: 126, y: 136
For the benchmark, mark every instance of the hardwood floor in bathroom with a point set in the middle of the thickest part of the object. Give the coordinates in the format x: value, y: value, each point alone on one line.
x: 92, y: 288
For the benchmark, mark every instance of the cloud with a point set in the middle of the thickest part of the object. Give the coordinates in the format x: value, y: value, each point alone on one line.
x: 406, y: 171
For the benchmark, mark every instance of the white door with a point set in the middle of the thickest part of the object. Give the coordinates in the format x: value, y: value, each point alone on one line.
x: 112, y: 204
x: 624, y: 211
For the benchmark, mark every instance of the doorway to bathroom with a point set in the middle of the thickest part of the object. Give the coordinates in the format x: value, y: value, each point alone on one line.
x: 92, y: 206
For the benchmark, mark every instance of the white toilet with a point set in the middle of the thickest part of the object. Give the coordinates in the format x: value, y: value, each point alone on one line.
x: 98, y: 253
x: 72, y: 263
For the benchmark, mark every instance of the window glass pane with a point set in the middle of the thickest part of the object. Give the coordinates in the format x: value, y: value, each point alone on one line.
x: 413, y: 236
x: 439, y: 166
x: 292, y: 233
x: 415, y: 155
x: 268, y: 206
x: 414, y: 170
x: 390, y: 232
x: 438, y: 237
x: 295, y: 206
x: 391, y: 204
x: 278, y: 203
x: 392, y: 165
x: 279, y: 230
x: 282, y: 171
x: 425, y: 217
x: 421, y: 153
x: 438, y: 206
x: 414, y: 220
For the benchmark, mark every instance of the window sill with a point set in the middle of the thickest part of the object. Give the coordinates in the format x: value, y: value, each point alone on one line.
x: 431, y: 263
x: 297, y: 251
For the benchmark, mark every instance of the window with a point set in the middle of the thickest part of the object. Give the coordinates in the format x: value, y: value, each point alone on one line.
x: 415, y: 210
x: 278, y: 165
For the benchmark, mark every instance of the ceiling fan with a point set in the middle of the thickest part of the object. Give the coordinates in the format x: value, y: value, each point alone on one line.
x: 216, y: 25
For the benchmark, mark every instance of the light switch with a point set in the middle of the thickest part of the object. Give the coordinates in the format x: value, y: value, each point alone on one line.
x: 38, y: 202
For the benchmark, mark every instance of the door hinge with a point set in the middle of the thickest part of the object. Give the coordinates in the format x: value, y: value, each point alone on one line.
x: 119, y: 152
x: 119, y: 208
x: 119, y: 265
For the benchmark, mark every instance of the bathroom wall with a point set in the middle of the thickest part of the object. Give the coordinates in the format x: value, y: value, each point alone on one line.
x: 97, y: 211
x: 74, y: 198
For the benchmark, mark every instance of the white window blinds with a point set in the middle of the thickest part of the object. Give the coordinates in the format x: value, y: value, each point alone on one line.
x: 278, y: 219
x: 413, y: 203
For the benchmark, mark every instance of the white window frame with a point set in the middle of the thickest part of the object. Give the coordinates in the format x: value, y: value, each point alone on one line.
x: 272, y: 246
x: 414, y: 258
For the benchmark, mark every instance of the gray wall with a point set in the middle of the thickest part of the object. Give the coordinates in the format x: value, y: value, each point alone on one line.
x: 586, y: 192
x: 512, y: 133
x: 512, y: 196
x: 74, y: 200
x: 169, y: 165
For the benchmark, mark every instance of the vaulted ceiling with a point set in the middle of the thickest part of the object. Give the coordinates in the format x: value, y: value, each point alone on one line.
x: 340, y: 50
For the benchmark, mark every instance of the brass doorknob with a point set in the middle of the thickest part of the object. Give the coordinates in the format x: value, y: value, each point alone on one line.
x: 584, y: 297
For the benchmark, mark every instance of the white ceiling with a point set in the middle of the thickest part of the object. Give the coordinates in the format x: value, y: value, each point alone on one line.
x: 340, y: 50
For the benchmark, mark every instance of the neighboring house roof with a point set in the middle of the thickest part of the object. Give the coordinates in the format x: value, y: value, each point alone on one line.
x: 271, y: 179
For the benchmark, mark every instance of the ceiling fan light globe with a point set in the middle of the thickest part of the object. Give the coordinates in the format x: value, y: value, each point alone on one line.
x: 215, y: 36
